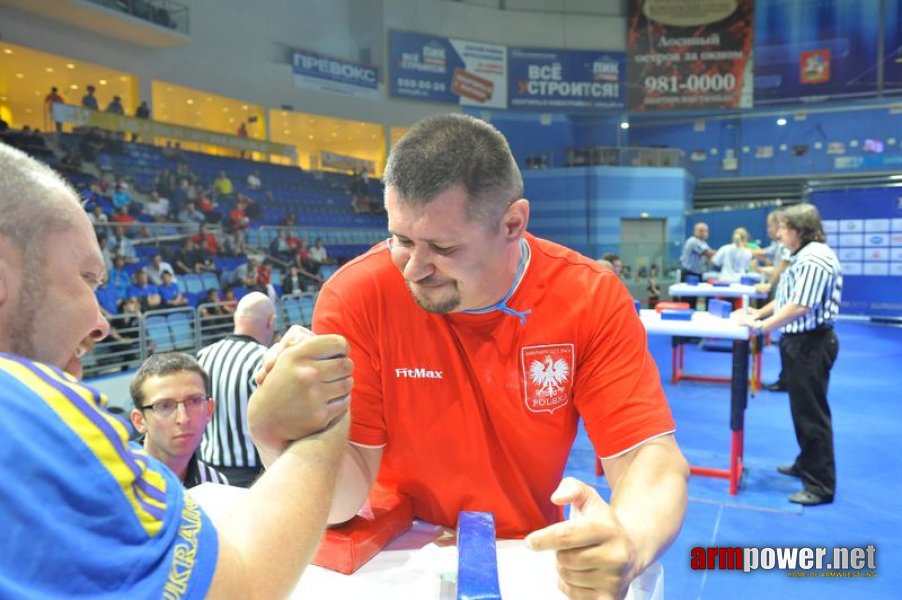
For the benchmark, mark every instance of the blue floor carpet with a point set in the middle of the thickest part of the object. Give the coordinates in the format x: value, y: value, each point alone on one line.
x: 866, y: 400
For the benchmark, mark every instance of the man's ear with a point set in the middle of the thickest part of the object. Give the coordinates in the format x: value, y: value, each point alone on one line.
x: 10, y: 264
x: 515, y: 219
x: 137, y: 418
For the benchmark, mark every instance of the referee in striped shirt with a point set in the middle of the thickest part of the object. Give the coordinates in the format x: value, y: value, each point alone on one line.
x: 805, y: 307
x: 232, y: 363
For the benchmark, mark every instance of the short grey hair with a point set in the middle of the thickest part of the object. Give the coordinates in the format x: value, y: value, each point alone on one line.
x: 451, y: 150
x: 34, y: 201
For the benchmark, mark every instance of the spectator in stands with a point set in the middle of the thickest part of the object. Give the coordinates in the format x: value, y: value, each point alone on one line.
x: 125, y: 330
x: 191, y: 258
x: 190, y: 215
x: 297, y: 280
x: 734, y: 259
x: 164, y: 183
x: 107, y: 297
x: 121, y: 215
x: 122, y: 246
x: 122, y: 197
x: 143, y: 111
x: 89, y: 100
x: 70, y: 163
x: 157, y: 207
x: 169, y: 292
x: 147, y: 293
x: 156, y: 268
x: 97, y: 216
x: 115, y: 106
x: 238, y: 219
x: 318, y: 254
x: 254, y: 182
x: 206, y: 239
x: 49, y: 100
x: 615, y: 262
x: 247, y: 275
x: 242, y: 133
x: 222, y: 186
x: 280, y: 247
x: 290, y: 220
x: 172, y: 408
x: 302, y: 258
x: 208, y: 207
x: 119, y: 277
x: 90, y: 144
x: 214, y: 311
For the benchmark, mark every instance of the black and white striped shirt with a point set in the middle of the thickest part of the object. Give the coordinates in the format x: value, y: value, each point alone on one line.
x: 693, y: 258
x: 231, y: 364
x: 200, y: 472
x: 813, y: 280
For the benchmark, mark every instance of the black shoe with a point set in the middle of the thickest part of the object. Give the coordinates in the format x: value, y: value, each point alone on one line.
x: 777, y: 386
x: 790, y: 470
x: 809, y: 498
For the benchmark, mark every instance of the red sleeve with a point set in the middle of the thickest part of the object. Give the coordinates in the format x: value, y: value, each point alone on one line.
x: 618, y: 389
x: 340, y: 309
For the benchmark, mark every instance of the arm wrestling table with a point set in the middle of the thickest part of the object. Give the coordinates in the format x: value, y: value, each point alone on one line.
x: 706, y: 290
x: 422, y: 563
x: 703, y: 324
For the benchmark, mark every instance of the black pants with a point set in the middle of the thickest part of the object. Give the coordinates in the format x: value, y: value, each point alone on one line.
x: 692, y: 300
x: 241, y: 476
x: 807, y: 360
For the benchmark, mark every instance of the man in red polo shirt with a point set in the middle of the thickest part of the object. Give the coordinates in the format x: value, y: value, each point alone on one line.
x: 477, y: 349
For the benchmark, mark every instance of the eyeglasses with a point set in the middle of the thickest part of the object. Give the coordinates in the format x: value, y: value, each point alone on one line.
x: 166, y: 408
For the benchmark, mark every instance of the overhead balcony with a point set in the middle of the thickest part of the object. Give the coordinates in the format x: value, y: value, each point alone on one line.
x: 149, y: 23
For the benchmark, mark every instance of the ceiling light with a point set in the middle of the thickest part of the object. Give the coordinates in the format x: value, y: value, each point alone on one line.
x: 190, y: 101
x: 7, y: 51
x: 102, y: 82
x: 624, y: 125
x: 49, y: 69
x: 123, y: 78
x: 244, y: 107
x: 225, y: 109
x: 781, y: 121
x: 310, y: 137
x: 74, y: 86
x: 20, y: 76
x: 70, y: 66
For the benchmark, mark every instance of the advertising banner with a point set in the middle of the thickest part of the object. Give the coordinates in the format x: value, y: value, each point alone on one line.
x: 437, y: 69
x: 546, y: 80
x: 325, y: 74
x: 810, y: 50
x: 690, y: 54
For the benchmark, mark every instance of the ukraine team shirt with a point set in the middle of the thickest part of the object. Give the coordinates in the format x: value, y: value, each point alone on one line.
x: 84, y: 515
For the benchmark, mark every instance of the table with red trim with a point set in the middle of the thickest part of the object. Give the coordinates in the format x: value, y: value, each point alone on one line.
x: 734, y: 291
x: 706, y: 325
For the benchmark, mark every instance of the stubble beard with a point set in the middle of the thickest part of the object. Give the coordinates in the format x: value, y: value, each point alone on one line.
x: 442, y: 306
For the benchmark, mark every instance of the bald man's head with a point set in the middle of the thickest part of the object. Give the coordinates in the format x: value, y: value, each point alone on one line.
x: 255, y: 316
x: 700, y: 231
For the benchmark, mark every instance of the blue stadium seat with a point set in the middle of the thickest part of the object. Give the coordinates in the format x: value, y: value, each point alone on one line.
x: 157, y: 329
x: 193, y: 283
x: 209, y: 280
x: 181, y: 326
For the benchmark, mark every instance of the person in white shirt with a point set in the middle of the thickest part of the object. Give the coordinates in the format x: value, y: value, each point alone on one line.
x: 734, y: 259
x: 318, y: 253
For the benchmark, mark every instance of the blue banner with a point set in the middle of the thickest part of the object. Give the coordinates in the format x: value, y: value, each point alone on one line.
x: 864, y: 228
x: 546, y: 80
x: 437, y: 69
x: 326, y: 74
x: 816, y: 49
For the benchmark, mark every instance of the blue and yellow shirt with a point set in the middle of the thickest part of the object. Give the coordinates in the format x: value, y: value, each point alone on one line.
x: 83, y: 514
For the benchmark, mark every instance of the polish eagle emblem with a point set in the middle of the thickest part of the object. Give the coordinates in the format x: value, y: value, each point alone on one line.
x: 549, y: 375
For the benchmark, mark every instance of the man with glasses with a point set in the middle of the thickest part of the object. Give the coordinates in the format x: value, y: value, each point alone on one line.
x: 172, y: 408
